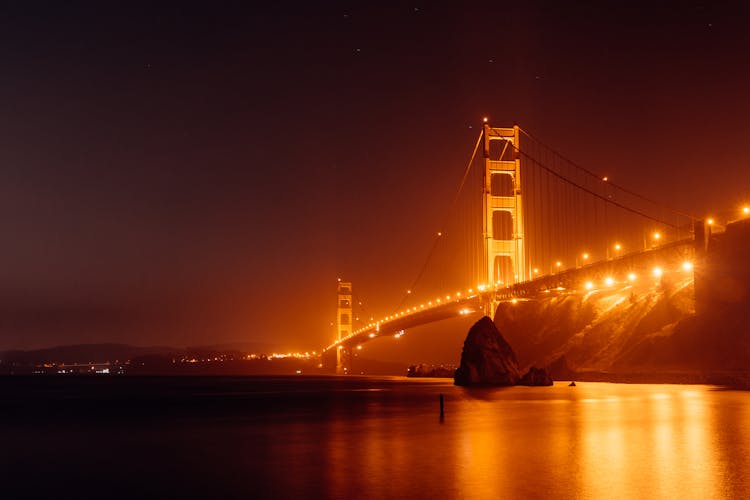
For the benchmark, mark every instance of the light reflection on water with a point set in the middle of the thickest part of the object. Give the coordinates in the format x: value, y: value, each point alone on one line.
x: 383, y: 438
x: 591, y: 441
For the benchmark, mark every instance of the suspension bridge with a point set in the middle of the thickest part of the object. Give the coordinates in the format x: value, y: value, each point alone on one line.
x: 527, y: 222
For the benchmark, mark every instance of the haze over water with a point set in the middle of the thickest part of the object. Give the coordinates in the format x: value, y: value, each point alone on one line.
x: 287, y: 437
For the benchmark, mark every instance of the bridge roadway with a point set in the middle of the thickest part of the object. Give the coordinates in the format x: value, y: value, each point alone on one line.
x: 669, y: 258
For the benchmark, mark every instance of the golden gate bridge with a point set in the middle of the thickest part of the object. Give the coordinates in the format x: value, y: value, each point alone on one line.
x: 526, y: 221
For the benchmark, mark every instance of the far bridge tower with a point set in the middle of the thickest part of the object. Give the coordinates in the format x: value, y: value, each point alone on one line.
x: 343, y: 325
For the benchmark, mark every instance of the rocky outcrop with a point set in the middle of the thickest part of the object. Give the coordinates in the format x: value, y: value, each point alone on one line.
x: 536, y: 376
x: 561, y: 370
x: 487, y: 359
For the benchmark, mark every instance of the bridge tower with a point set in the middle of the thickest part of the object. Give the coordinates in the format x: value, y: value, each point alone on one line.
x: 343, y: 324
x: 503, y: 225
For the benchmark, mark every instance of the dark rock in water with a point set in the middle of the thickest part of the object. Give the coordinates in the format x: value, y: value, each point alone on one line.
x: 572, y: 383
x: 487, y: 359
x: 536, y: 376
x: 425, y: 370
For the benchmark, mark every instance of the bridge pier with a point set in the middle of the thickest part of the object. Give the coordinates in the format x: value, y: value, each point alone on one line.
x: 343, y: 360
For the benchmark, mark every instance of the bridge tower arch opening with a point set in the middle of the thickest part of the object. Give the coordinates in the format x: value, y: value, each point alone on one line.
x: 502, y: 220
x: 343, y: 324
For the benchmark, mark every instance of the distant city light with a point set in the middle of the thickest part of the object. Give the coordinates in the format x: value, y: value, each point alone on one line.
x: 609, y: 281
x: 589, y: 285
x: 631, y: 277
x: 658, y: 272
x: 687, y: 266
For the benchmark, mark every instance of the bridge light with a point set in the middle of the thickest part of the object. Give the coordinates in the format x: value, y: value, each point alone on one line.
x: 440, y: 233
x: 746, y: 210
x: 585, y: 256
x: 558, y: 264
x: 589, y: 285
x: 421, y: 306
x: 485, y: 119
x: 658, y: 272
x: 429, y: 303
x: 631, y: 277
x: 458, y: 294
x: 480, y: 288
x: 618, y: 247
x: 687, y: 266
x: 471, y: 290
x: 656, y: 236
x: 359, y: 347
x: 710, y: 221
x: 408, y: 291
x: 536, y: 271
x: 605, y: 178
x: 372, y: 335
x: 437, y: 300
x: 609, y: 281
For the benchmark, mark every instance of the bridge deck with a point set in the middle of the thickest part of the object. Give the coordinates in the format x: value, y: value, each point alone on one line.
x: 570, y: 279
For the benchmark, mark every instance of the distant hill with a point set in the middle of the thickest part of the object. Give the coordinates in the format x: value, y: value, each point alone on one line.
x: 98, y: 353
x: 83, y: 353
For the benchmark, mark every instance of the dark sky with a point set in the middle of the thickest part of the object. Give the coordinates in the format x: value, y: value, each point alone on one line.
x: 202, y: 173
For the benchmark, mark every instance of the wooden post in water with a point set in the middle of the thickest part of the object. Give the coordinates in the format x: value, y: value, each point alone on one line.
x: 442, y: 406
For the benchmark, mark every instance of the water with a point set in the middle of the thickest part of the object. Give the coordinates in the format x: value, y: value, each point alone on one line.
x: 294, y: 437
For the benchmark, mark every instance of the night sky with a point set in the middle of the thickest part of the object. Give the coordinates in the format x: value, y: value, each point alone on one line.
x: 191, y: 174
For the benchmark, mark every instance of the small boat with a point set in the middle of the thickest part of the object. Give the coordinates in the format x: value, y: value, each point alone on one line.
x: 572, y: 383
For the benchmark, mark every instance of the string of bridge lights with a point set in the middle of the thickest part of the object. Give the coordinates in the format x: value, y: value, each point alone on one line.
x: 472, y: 293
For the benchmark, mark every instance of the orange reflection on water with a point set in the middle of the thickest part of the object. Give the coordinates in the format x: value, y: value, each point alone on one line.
x: 591, y: 441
